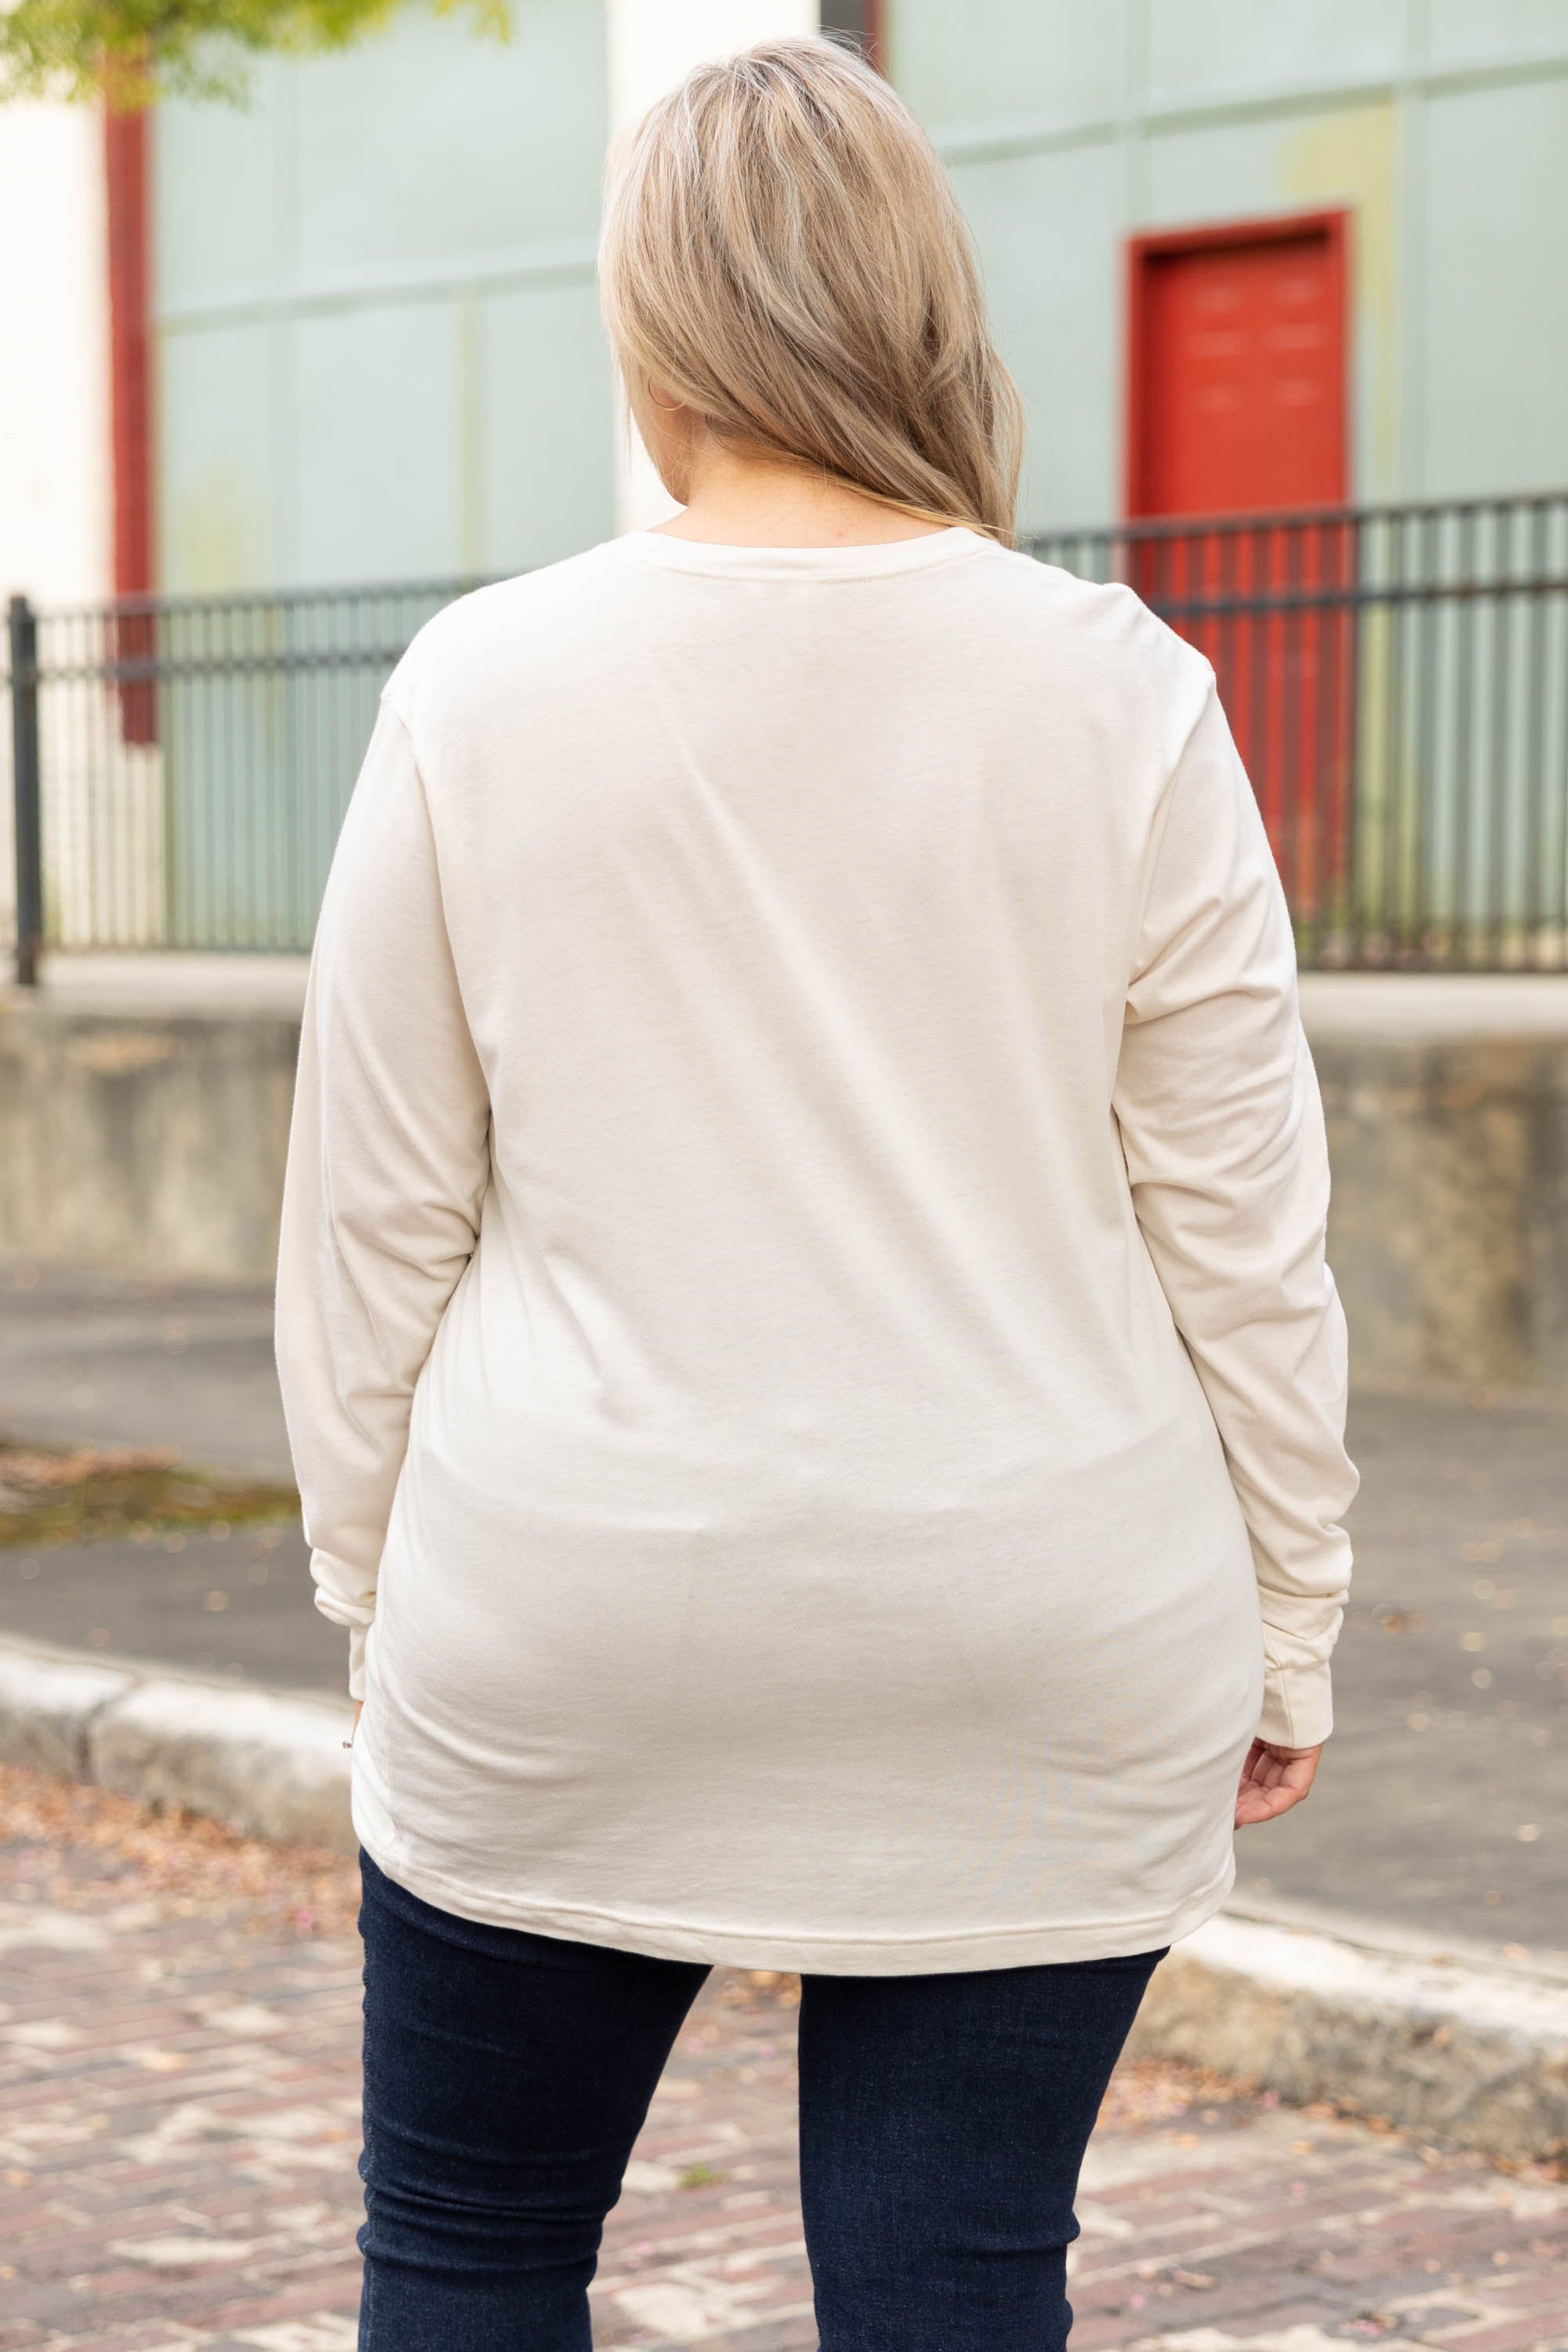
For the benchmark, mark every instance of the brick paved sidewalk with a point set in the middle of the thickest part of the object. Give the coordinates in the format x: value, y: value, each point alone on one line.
x: 179, y: 2126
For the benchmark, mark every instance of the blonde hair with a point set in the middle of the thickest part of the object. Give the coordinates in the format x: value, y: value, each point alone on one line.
x: 784, y: 254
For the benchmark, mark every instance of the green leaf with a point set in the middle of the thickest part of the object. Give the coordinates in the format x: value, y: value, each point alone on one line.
x: 129, y: 53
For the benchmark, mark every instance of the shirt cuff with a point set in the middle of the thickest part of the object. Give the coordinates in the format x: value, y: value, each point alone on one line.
x: 358, y: 1635
x: 1298, y: 1705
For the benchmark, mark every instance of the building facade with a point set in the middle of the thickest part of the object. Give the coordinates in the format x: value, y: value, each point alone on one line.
x: 1400, y: 167
x: 1238, y: 255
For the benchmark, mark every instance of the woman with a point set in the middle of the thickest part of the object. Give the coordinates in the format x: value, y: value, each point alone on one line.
x: 803, y: 1313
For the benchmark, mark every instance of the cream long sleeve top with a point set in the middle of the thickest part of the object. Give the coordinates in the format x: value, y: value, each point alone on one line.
x: 803, y: 1314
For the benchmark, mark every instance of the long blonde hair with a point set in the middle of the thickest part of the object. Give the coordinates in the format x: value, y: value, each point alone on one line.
x: 783, y: 255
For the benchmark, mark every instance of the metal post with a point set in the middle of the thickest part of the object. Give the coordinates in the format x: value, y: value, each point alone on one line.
x: 28, y: 782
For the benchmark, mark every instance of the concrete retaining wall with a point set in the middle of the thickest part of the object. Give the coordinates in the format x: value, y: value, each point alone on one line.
x: 1449, y: 1231
x: 147, y: 1143
x: 151, y: 1140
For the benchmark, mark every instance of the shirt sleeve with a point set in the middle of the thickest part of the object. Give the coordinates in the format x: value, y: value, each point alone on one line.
x: 388, y: 1161
x: 1222, y: 1125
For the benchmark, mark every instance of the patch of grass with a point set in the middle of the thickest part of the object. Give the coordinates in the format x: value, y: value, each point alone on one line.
x: 699, y: 2175
x: 54, y: 1496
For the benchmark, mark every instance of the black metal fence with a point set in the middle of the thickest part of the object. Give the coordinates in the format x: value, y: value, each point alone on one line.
x: 181, y: 765
x: 1397, y: 679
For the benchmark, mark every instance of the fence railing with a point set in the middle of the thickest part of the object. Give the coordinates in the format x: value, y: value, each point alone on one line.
x: 181, y: 765
x: 1397, y: 679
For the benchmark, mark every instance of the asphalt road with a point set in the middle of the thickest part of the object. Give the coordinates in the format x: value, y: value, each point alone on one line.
x: 123, y: 1361
x: 1442, y: 1805
x: 236, y: 1604
x: 1443, y: 1796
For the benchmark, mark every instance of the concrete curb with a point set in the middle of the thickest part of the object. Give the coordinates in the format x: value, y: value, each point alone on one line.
x: 1466, y: 2053
x: 270, y: 1763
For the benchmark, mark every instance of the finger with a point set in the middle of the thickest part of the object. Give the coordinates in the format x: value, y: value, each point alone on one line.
x: 1265, y: 1805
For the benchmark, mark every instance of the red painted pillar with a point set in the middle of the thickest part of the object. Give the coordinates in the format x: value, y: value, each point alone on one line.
x: 131, y: 407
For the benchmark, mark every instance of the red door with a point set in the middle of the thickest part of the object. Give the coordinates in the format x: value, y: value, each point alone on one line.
x: 1237, y: 408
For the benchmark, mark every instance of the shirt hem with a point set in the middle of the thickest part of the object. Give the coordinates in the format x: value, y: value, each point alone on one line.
x: 934, y: 1954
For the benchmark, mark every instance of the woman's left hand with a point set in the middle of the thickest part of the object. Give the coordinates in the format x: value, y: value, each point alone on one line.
x: 1273, y: 1779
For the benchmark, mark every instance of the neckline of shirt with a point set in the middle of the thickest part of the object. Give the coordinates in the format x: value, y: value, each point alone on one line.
x: 866, y: 562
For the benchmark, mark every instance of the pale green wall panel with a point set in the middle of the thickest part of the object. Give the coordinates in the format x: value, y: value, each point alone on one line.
x: 1005, y: 59
x: 379, y: 479
x: 546, y: 418
x: 1463, y: 32
x: 435, y: 141
x: 1204, y: 49
x: 1496, y: 265
x: 357, y: 222
x: 215, y: 474
x: 1047, y: 226
x: 217, y: 216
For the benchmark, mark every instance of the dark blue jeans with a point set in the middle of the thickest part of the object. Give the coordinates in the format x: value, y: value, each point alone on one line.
x: 942, y: 2122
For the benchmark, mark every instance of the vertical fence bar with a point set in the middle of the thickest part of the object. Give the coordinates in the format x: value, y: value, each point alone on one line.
x: 1532, y: 902
x: 1323, y: 810
x: 1460, y: 936
x: 1499, y: 734
x: 1398, y: 752
x: 27, y: 783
